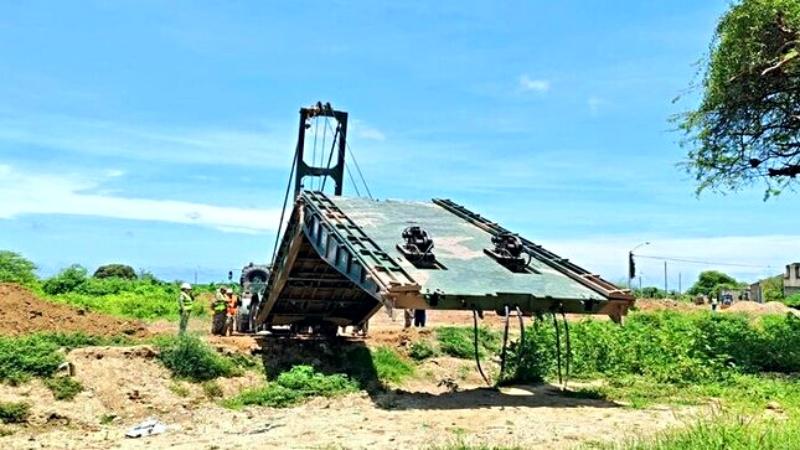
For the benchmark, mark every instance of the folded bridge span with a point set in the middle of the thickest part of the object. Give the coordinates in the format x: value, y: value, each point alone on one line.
x: 341, y: 259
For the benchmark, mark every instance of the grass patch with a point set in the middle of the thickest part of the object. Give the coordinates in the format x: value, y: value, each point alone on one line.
x: 191, y: 358
x: 390, y: 366
x: 421, y: 350
x: 14, y: 412
x: 179, y: 389
x: 212, y: 389
x: 293, y: 386
x: 63, y: 388
x: 459, y: 341
x: 730, y: 433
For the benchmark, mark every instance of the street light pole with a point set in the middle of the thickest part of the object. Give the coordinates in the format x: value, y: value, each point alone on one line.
x: 631, y: 274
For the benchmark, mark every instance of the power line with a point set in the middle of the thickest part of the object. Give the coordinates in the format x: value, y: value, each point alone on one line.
x: 697, y: 261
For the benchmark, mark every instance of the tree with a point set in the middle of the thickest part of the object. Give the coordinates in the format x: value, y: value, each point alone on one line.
x: 68, y: 280
x: 710, y: 282
x: 14, y: 268
x: 747, y: 127
x: 115, y: 271
x: 772, y: 289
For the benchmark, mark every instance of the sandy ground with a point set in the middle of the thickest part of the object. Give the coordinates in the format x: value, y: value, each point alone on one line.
x: 125, y: 385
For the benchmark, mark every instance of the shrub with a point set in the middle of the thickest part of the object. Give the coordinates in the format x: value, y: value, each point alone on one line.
x: 14, y: 412
x: 212, y: 389
x: 68, y: 280
x: 292, y: 386
x: 390, y: 366
x: 459, y: 341
x: 191, y: 358
x: 421, y: 350
x: 16, y: 269
x: 63, y: 388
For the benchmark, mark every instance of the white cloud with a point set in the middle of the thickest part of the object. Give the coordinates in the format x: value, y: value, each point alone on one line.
x: 527, y: 84
x: 364, y: 131
x: 595, y: 103
x: 765, y: 254
x: 26, y: 193
x: 249, y: 147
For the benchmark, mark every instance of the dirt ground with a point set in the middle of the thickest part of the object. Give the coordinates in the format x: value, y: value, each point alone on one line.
x: 125, y: 385
x: 22, y: 312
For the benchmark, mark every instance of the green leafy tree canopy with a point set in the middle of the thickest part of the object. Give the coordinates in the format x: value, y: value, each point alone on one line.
x: 747, y: 126
x: 115, y: 271
x: 710, y: 282
x: 68, y: 280
x: 14, y: 268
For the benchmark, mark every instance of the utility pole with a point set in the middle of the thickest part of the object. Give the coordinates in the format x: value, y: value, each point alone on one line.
x: 666, y: 286
x: 680, y: 284
x: 640, y: 283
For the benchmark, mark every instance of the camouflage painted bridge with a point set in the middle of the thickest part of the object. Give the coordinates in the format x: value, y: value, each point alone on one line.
x: 342, y: 259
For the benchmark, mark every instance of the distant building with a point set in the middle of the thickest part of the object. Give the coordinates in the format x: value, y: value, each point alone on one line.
x: 791, y: 279
x: 757, y: 291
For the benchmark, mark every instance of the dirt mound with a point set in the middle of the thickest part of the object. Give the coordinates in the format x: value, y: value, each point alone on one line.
x: 22, y: 312
x: 760, y: 308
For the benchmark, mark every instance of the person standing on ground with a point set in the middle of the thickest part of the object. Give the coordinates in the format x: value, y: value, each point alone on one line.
x: 185, y: 302
x: 408, y: 315
x: 218, y: 309
x: 230, y: 312
x: 714, y: 303
x: 420, y: 317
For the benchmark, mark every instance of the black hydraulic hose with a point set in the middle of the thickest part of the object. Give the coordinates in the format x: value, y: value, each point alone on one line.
x: 558, y: 347
x: 505, y: 343
x: 521, y: 337
x: 568, y: 348
x: 475, y: 339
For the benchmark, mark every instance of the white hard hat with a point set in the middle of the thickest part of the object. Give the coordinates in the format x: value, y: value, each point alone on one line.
x: 186, y: 286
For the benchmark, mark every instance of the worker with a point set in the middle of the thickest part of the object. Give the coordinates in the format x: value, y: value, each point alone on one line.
x: 218, y: 309
x: 408, y: 315
x: 420, y: 317
x: 232, y: 306
x: 185, y: 302
x: 714, y: 303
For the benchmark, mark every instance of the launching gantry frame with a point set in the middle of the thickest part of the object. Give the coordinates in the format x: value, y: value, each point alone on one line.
x: 341, y: 259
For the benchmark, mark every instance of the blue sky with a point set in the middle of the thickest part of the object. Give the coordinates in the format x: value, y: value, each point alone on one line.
x: 160, y: 134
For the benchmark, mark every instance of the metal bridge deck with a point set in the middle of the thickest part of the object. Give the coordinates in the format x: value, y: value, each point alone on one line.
x: 338, y: 263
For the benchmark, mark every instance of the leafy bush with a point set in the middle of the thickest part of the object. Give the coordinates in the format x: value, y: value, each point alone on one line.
x: 68, y: 280
x: 459, y: 341
x: 16, y: 269
x: 115, y: 271
x: 665, y: 347
x: 792, y: 301
x: 292, y: 386
x: 421, y: 350
x: 390, y: 366
x: 710, y: 282
x: 212, y: 389
x: 63, y: 388
x: 14, y: 412
x: 191, y: 358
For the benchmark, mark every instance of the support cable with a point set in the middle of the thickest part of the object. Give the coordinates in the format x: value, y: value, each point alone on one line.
x: 521, y: 337
x: 358, y: 168
x: 558, y: 348
x: 322, y: 151
x: 314, y: 156
x: 330, y: 155
x: 505, y: 342
x: 568, y: 348
x: 475, y: 340
x: 285, y: 201
x: 350, y: 175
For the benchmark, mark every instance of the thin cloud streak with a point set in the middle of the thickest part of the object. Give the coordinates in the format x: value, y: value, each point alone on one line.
x: 23, y: 193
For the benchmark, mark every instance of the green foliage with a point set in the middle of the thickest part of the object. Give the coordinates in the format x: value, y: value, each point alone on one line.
x: 792, y: 301
x: 14, y: 412
x: 212, y: 389
x: 421, y: 350
x: 745, y: 128
x: 459, y: 341
x: 37, y: 354
x: 390, y: 366
x: 68, y: 280
x: 772, y: 289
x: 191, y: 358
x: 710, y: 282
x: 666, y: 347
x: 727, y: 432
x: 290, y: 387
x: 63, y: 388
x: 115, y: 271
x: 16, y: 269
